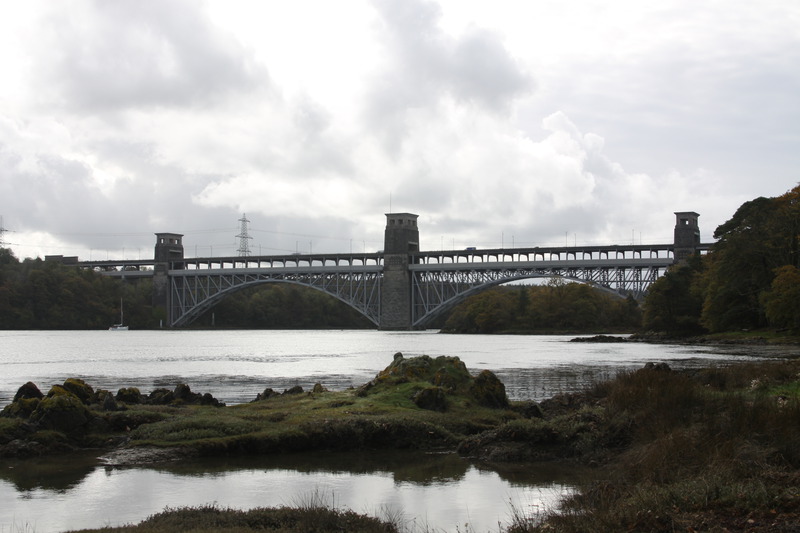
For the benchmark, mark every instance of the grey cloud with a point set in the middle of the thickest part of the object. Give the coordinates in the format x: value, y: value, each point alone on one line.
x: 318, y: 151
x: 424, y: 65
x: 127, y: 53
x: 483, y: 71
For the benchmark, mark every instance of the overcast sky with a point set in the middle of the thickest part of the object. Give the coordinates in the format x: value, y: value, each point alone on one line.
x: 501, y: 123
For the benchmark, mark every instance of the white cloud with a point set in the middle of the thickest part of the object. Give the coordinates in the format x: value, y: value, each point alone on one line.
x: 583, y: 121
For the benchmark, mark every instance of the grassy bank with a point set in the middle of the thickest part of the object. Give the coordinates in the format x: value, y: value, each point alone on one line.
x: 711, y: 450
x: 420, y: 403
x: 305, y: 518
x: 716, y: 449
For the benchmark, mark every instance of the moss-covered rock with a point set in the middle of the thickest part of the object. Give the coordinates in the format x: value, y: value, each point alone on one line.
x: 79, y: 388
x: 129, y: 395
x: 268, y: 393
x: 432, y: 399
x: 21, y: 408
x: 488, y: 390
x: 452, y: 374
x: 104, y: 400
x: 447, y: 375
x: 61, y: 411
x: 161, y: 397
x: 447, y: 372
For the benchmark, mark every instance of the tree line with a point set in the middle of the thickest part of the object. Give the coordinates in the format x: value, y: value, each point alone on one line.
x: 36, y: 294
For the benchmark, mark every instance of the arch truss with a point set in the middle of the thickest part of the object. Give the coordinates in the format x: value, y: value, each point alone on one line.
x: 434, y: 290
x: 195, y: 291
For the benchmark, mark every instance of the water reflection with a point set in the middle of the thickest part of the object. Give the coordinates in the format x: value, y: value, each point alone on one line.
x: 433, y: 491
x: 57, y: 474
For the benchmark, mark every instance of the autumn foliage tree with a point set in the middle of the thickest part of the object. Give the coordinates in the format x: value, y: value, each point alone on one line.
x: 749, y: 280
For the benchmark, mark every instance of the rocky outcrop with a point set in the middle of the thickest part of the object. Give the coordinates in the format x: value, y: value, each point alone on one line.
x: 74, y: 414
x: 75, y: 395
x: 442, y: 376
x: 600, y: 339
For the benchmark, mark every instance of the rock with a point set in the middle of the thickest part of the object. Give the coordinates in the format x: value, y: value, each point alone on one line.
x: 21, y: 408
x: 364, y: 389
x: 297, y: 389
x: 79, y: 388
x: 27, y: 391
x: 183, y: 394
x: 600, y: 338
x: 414, y: 369
x: 488, y: 390
x: 452, y: 374
x: 22, y: 449
x: 106, y: 399
x: 207, y: 399
x: 529, y: 409
x: 658, y: 367
x: 444, y: 371
x: 129, y: 395
x: 161, y: 397
x: 318, y: 388
x: 61, y: 410
x: 432, y: 399
x: 268, y: 393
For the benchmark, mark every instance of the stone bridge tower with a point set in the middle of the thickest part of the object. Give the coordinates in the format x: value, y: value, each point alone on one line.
x: 687, y: 235
x: 400, y: 238
x: 168, y: 254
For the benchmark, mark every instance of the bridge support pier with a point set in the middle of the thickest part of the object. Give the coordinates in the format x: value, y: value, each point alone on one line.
x: 400, y: 238
x: 168, y: 254
x: 687, y: 235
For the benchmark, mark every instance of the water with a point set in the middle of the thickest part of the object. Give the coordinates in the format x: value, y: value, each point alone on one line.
x: 234, y: 366
x: 433, y: 492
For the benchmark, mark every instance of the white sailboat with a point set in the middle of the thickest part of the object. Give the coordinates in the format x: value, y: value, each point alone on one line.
x: 120, y: 326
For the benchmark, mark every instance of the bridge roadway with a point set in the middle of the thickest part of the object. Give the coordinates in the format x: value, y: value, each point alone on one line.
x: 438, y: 279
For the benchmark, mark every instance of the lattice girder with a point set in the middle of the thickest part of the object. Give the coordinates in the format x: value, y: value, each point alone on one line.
x: 192, y: 293
x: 435, y: 291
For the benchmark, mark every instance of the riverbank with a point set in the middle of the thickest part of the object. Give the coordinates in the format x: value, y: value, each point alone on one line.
x: 703, y: 449
x: 421, y: 402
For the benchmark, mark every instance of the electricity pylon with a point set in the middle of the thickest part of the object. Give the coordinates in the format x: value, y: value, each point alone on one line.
x: 244, y: 238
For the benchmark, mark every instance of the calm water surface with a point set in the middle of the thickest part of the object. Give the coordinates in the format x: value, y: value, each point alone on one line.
x: 433, y: 492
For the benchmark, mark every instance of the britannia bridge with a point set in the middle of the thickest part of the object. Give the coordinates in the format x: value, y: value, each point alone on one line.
x: 400, y: 287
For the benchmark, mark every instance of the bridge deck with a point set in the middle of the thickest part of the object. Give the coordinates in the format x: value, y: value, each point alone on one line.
x: 573, y: 255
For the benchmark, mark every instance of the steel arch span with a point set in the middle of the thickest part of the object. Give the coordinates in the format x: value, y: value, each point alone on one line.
x: 194, y: 292
x: 436, y: 291
x: 399, y: 287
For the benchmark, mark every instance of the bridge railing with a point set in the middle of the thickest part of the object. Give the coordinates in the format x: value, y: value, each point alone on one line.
x: 561, y: 253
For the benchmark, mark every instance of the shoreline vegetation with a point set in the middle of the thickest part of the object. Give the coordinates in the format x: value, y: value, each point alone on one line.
x: 714, y: 449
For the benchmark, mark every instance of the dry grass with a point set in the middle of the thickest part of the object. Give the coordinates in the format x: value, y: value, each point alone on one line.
x: 718, y: 450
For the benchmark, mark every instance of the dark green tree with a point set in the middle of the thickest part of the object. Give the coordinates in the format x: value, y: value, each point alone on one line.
x: 761, y: 237
x: 674, y: 302
x: 782, y: 301
x: 559, y: 306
